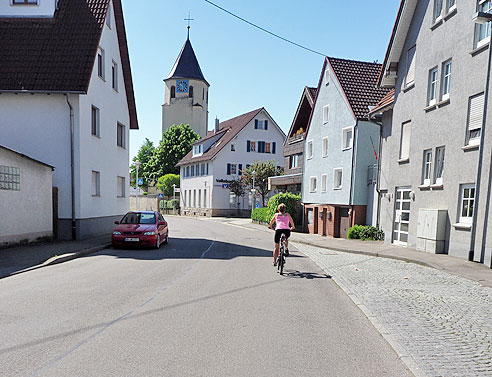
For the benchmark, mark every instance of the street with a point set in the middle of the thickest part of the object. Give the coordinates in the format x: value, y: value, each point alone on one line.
x: 207, y: 304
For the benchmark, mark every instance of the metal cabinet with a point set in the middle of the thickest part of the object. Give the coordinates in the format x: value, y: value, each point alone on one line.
x: 431, y: 230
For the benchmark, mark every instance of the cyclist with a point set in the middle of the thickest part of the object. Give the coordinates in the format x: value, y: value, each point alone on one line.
x: 283, y: 224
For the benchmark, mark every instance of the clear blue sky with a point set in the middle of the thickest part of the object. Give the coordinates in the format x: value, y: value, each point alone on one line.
x: 247, y: 68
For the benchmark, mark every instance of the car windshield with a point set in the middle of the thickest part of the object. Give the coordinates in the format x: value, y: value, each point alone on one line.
x: 138, y: 218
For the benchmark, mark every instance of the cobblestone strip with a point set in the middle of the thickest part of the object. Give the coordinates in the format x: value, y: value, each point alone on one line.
x: 439, y: 324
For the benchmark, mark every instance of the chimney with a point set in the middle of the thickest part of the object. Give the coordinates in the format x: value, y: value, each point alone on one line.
x: 216, y: 125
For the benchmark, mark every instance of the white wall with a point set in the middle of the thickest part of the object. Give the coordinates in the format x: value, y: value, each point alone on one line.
x: 44, y: 8
x: 26, y: 214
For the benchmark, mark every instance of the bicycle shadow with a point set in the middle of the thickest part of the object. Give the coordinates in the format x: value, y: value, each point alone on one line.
x: 305, y: 275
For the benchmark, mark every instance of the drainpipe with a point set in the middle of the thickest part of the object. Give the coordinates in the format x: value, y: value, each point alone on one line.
x: 354, y: 146
x: 72, y: 167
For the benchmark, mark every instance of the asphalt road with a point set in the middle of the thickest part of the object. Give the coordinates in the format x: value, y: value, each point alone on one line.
x: 207, y: 304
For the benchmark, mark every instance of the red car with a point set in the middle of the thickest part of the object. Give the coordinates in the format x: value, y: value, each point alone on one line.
x: 143, y: 228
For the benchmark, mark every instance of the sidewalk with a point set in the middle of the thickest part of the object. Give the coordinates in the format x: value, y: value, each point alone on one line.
x: 456, y: 266
x: 19, y: 259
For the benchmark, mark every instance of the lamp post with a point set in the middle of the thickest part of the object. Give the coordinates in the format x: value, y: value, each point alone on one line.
x: 481, y: 18
x: 174, y: 195
x: 253, y: 190
x: 137, y: 165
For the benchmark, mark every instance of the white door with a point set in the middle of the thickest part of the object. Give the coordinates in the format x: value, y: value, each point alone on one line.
x: 402, y: 216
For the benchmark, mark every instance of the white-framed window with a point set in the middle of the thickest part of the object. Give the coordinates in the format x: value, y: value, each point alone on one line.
x: 405, y: 141
x: 310, y: 149
x: 326, y: 113
x: 427, y: 167
x: 438, y: 10
x: 24, y: 2
x: 294, y: 161
x: 337, y: 178
x: 483, y: 30
x: 10, y: 178
x: 120, y: 187
x: 95, y: 121
x: 475, y: 119
x: 324, y: 150
x: 450, y: 5
x: 432, y: 92
x: 194, y: 198
x: 439, y: 167
x: 120, y: 135
x: 199, y: 198
x: 347, y: 138
x: 108, y: 16
x: 205, y: 198
x: 324, y: 179
x: 446, y: 79
x: 197, y: 150
x: 232, y: 169
x: 100, y: 63
x: 467, y: 203
x: 410, y: 78
x: 313, y: 182
x: 327, y: 76
x: 261, y: 124
x: 233, y: 147
x: 114, y: 75
x: 96, y: 183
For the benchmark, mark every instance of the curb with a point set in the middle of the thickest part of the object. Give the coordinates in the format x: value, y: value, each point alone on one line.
x: 64, y: 258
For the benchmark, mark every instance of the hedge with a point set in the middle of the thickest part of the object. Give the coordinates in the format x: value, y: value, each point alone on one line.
x: 266, y: 214
x: 365, y: 232
x: 260, y: 215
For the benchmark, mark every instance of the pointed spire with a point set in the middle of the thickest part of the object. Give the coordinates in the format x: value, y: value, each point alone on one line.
x: 186, y: 65
x: 188, y: 27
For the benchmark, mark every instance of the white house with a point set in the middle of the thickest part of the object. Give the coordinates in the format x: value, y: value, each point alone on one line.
x: 221, y: 156
x: 67, y: 99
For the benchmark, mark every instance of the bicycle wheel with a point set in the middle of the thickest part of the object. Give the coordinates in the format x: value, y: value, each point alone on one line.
x: 281, y: 261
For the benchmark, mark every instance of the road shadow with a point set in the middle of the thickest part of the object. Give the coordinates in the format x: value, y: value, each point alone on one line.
x: 304, y: 275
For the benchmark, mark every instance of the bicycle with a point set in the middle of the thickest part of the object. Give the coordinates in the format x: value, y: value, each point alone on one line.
x: 281, y: 254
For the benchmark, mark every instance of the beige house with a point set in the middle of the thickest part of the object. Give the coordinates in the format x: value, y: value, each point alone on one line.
x: 26, y: 210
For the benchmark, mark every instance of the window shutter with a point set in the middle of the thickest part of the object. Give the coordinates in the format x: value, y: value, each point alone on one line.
x: 266, y: 124
x: 273, y: 147
x: 256, y: 124
x: 207, y: 168
x: 405, y: 140
x: 240, y: 169
x: 228, y: 169
x: 410, y: 66
x: 248, y: 146
x: 475, y: 112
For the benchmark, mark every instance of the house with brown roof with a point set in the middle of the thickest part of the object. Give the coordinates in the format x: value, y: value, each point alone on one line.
x: 67, y: 99
x: 220, y: 158
x: 293, y: 151
x: 340, y: 153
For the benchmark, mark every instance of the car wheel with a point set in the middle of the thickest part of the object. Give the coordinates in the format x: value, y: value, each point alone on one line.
x: 158, y: 242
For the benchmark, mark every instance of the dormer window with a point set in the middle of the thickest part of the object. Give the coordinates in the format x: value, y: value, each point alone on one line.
x: 197, y: 150
x: 261, y: 124
x: 24, y: 2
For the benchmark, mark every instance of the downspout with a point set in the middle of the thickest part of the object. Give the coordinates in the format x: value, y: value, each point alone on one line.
x: 354, y: 147
x: 72, y: 167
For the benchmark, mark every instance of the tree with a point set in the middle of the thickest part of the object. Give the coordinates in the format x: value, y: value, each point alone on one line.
x: 165, y: 183
x: 144, y: 155
x: 175, y: 144
x: 263, y: 170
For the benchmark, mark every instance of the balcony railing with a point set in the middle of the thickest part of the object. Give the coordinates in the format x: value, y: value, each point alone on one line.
x: 296, y: 138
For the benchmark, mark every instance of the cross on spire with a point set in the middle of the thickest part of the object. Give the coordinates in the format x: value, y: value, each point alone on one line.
x: 189, y: 19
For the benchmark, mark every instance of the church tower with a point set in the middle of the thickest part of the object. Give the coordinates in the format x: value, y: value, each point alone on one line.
x: 186, y: 93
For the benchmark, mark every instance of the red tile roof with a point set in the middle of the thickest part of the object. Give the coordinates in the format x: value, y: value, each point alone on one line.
x: 229, y: 129
x: 312, y: 92
x: 58, y: 54
x: 384, y: 103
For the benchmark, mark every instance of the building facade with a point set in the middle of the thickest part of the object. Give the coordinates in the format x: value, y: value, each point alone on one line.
x: 338, y: 187
x: 220, y: 157
x: 186, y: 94
x: 435, y: 196
x: 70, y: 100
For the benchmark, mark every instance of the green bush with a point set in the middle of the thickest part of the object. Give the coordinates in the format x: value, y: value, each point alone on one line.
x: 365, y: 232
x: 173, y: 203
x: 266, y: 214
x: 260, y: 215
x: 162, y: 204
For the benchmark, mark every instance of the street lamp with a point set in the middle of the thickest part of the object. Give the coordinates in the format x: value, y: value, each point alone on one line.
x: 174, y: 195
x: 253, y: 191
x: 481, y: 18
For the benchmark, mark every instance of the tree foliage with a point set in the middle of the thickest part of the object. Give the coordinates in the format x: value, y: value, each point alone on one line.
x: 175, y: 144
x: 165, y: 183
x: 263, y: 170
x: 236, y: 186
x: 144, y: 155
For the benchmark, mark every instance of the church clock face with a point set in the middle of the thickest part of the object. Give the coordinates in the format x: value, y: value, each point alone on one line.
x: 182, y: 86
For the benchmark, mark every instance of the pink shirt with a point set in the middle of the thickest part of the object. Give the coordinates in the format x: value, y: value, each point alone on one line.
x: 282, y: 221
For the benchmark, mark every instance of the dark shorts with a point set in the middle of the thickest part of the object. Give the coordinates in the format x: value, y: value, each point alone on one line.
x: 279, y: 232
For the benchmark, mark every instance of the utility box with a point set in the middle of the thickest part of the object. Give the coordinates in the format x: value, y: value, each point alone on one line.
x: 431, y: 230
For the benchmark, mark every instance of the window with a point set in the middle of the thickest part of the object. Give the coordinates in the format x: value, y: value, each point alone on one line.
x: 483, y: 30
x: 347, y: 138
x: 9, y: 178
x: 114, y: 76
x: 261, y: 124
x: 431, y: 100
x: 173, y: 91
x: 451, y: 4
x: 261, y: 147
x: 95, y: 117
x: 190, y: 92
x: 427, y: 167
x: 187, y: 171
x: 324, y: 151
x: 327, y: 77
x: 326, y: 113
x: 120, y: 135
x: 120, y: 187
x: 96, y: 183
x: 405, y: 141
x: 203, y: 169
x: 108, y: 17
x: 310, y: 149
x: 313, y: 181
x: 17, y: 2
x: 250, y: 146
x: 205, y: 198
x: 267, y: 147
x: 409, y: 80
x: 467, y: 202
x: 189, y: 198
x: 437, y: 10
x: 199, y: 198
x: 231, y: 169
x: 475, y: 118
x: 192, y: 170
x: 197, y: 150
x: 207, y: 168
x: 439, y: 169
x: 337, y: 178
x: 197, y: 170
x: 294, y: 161
x: 324, y: 178
x: 233, y: 148
x: 446, y: 79
x: 100, y: 63
x: 194, y: 198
